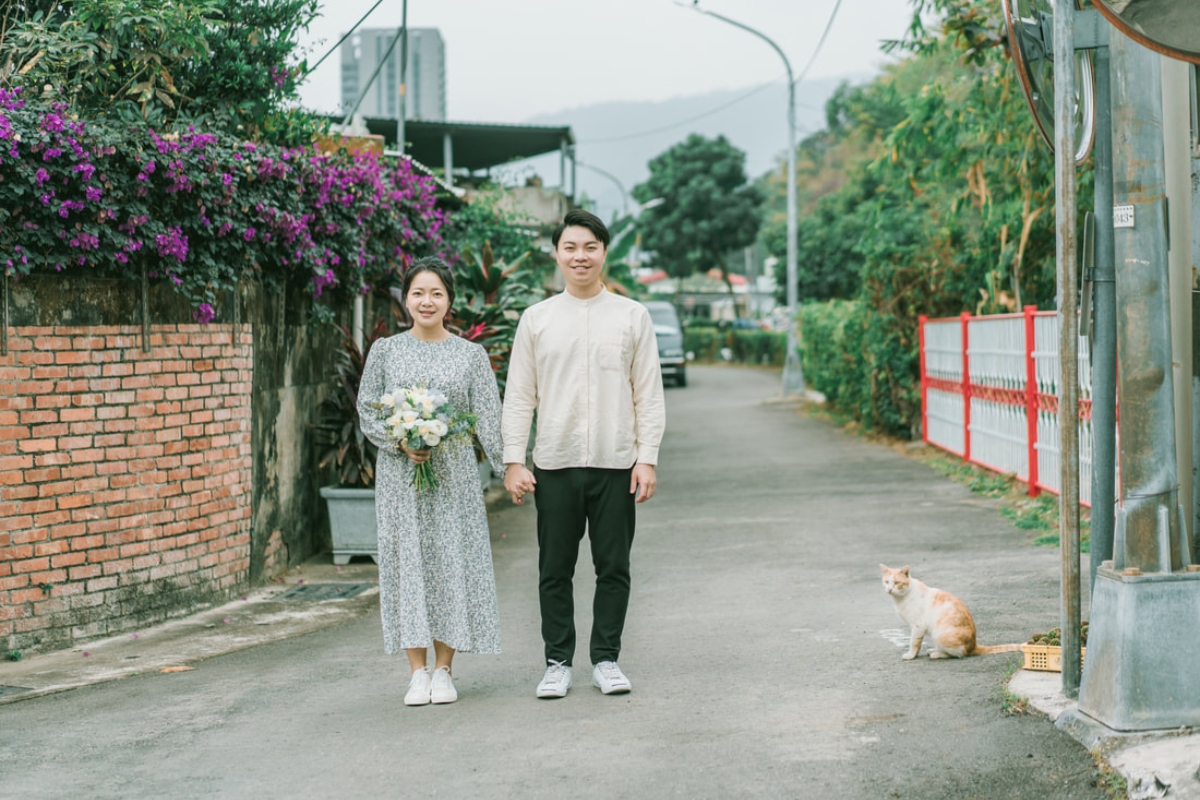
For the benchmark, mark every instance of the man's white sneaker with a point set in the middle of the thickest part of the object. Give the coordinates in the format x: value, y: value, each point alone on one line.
x: 556, y: 681
x: 608, y: 676
x: 418, y: 688
x: 442, y: 689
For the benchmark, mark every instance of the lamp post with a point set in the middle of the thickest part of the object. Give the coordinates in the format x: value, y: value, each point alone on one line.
x: 793, y: 376
x: 616, y: 181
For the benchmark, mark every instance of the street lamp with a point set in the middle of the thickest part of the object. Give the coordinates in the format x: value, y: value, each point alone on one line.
x: 793, y: 377
x: 614, y: 179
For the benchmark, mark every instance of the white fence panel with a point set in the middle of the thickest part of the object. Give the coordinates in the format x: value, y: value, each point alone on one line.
x: 944, y: 418
x: 999, y: 432
x: 943, y: 350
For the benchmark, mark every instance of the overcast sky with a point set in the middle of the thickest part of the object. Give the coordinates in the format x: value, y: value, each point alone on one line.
x: 508, y: 61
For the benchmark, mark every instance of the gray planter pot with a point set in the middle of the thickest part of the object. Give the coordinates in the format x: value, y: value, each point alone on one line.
x: 352, y: 519
x: 352, y: 523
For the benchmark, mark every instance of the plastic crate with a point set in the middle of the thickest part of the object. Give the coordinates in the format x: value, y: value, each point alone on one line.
x: 1045, y: 657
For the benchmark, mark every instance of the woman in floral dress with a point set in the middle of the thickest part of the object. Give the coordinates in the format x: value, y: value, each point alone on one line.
x: 436, y: 585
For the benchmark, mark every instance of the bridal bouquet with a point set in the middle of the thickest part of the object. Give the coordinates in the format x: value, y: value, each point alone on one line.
x: 422, y: 419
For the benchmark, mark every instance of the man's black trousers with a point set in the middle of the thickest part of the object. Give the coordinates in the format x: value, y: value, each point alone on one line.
x: 568, y: 500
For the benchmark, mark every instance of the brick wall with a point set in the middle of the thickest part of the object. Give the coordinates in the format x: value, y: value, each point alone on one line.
x: 125, y: 492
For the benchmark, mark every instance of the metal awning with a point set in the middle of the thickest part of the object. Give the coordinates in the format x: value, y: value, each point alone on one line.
x: 477, y: 145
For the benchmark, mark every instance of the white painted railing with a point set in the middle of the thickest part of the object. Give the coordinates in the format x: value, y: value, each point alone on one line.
x: 989, y: 393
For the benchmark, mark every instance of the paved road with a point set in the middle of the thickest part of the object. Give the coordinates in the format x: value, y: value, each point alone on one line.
x: 758, y: 645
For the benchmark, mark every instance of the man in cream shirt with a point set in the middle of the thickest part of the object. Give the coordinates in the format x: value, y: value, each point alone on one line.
x: 586, y: 361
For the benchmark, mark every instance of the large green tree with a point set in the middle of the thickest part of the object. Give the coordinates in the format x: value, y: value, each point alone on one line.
x: 706, y: 210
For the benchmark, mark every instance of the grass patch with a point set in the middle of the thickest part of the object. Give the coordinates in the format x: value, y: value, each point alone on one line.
x: 1112, y: 782
x: 1010, y: 703
x: 1038, y: 515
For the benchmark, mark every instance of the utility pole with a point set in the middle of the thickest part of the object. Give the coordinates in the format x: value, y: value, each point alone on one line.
x: 1068, y: 342
x: 793, y: 375
x: 403, y: 99
x: 1144, y: 638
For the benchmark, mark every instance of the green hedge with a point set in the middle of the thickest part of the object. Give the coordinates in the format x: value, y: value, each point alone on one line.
x: 863, y: 364
x: 747, y: 346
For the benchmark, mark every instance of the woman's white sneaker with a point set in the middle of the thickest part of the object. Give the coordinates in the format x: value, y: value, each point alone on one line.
x: 609, y: 678
x: 442, y: 689
x: 556, y: 682
x: 418, y: 688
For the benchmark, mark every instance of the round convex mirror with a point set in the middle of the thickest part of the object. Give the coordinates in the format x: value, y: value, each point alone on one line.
x: 1171, y: 27
x: 1030, y: 28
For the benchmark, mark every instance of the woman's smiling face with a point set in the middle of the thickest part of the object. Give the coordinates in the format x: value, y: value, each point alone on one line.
x: 428, y: 301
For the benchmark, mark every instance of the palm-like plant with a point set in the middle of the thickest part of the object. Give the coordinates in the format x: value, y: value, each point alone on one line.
x: 339, y: 434
x: 491, y: 297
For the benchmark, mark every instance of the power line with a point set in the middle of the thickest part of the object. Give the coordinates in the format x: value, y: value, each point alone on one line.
x: 812, y: 59
x: 345, y: 36
x: 821, y: 43
x: 708, y: 113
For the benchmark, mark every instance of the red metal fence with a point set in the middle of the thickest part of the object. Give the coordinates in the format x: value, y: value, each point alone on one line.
x: 989, y: 393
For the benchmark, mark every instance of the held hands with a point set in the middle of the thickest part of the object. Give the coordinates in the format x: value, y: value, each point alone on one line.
x: 417, y: 456
x: 518, y: 482
x: 643, y: 481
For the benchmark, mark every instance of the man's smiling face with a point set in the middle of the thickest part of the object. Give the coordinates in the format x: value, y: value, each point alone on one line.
x: 580, y: 257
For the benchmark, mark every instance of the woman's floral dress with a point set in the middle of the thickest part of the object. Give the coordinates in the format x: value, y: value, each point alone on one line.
x: 435, y: 557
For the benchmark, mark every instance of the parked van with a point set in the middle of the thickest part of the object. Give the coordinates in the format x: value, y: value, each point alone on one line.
x: 669, y: 333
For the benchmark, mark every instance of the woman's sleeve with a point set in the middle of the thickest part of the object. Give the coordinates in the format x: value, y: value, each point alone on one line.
x: 485, y: 405
x: 370, y: 389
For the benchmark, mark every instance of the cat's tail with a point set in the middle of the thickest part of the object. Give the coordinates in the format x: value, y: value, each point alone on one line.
x: 985, y: 650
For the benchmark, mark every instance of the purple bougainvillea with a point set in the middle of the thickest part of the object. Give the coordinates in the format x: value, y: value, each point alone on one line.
x: 210, y: 209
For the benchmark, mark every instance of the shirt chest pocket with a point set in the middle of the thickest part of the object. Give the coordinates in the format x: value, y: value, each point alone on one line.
x: 612, y: 355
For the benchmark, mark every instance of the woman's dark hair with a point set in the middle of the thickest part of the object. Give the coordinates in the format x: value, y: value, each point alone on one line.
x: 583, y: 219
x: 437, y: 267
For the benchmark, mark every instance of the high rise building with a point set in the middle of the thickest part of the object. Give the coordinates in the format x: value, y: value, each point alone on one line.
x: 425, y: 78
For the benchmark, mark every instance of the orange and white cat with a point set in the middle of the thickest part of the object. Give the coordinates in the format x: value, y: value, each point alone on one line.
x: 937, y: 614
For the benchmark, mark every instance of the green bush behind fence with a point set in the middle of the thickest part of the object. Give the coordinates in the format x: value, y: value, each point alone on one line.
x: 746, y: 346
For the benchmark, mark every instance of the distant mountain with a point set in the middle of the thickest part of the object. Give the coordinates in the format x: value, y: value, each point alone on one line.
x: 607, y: 134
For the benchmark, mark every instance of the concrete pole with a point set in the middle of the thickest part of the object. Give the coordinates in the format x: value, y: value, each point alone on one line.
x: 1176, y: 80
x: 1144, y: 638
x: 1104, y: 342
x: 793, y: 375
x: 448, y: 158
x: 401, y: 110
x: 1194, y: 250
x: 562, y: 166
x: 1068, y: 341
x: 1149, y: 481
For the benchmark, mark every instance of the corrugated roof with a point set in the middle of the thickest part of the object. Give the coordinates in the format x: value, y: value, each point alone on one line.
x: 477, y: 145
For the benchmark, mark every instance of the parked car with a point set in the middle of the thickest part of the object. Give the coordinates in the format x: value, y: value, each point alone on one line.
x: 669, y: 333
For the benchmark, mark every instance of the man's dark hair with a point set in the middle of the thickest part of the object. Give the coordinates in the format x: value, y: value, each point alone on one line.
x: 430, y: 264
x: 583, y: 219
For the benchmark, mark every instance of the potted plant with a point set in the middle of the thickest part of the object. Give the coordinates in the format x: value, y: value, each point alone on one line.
x: 351, y: 502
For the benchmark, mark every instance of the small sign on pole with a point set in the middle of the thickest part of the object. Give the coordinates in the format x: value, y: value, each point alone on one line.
x: 1123, y: 216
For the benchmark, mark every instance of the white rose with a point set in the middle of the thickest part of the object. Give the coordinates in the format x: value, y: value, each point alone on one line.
x: 438, y: 428
x: 432, y: 440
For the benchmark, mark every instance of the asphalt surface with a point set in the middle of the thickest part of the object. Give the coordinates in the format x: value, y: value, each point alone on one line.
x: 764, y: 656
